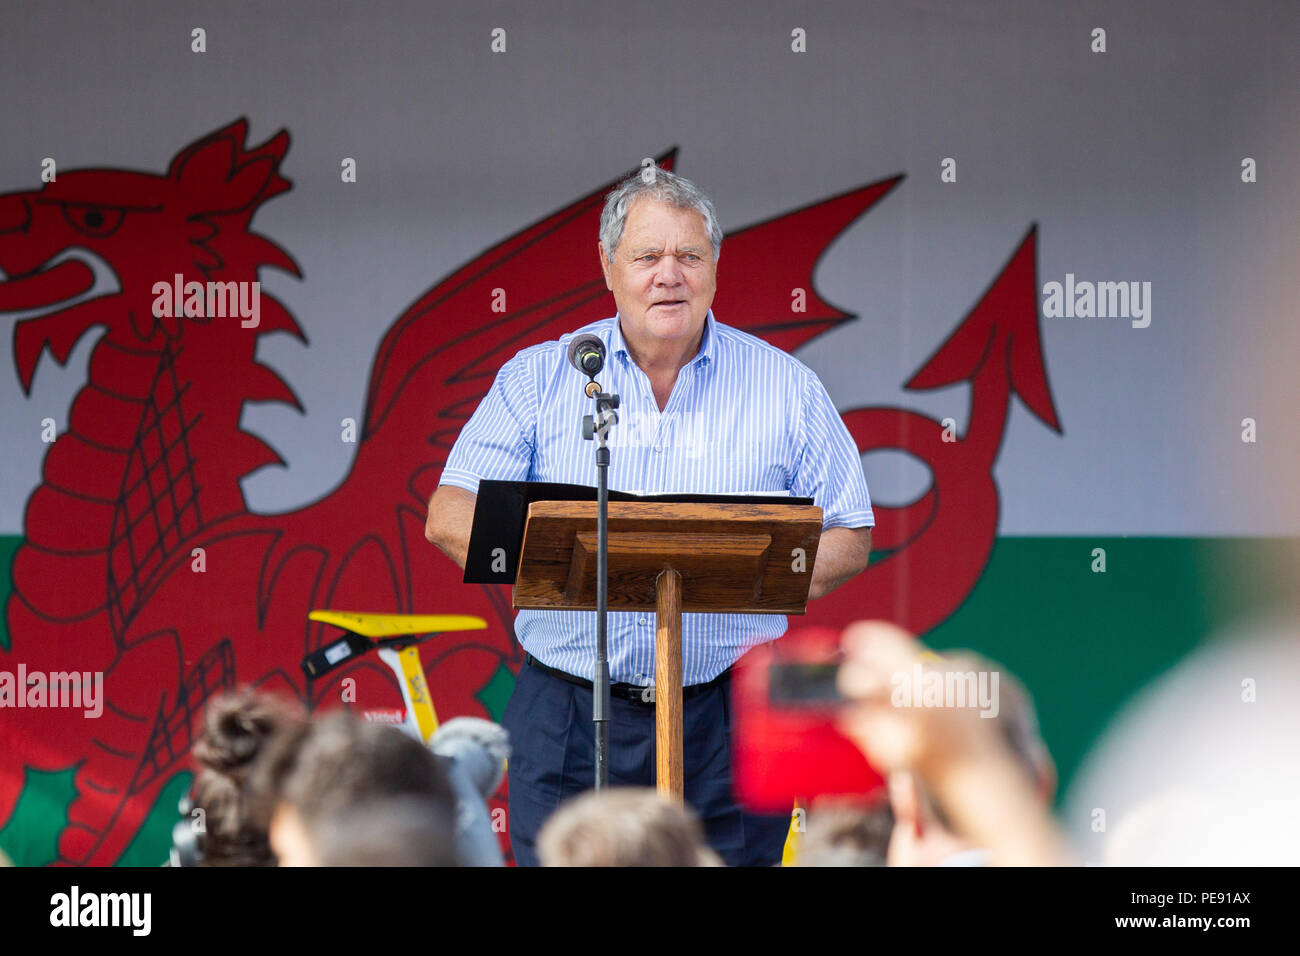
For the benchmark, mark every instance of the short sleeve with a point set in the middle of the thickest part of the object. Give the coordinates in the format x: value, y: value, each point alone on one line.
x: 499, y: 440
x: 828, y: 468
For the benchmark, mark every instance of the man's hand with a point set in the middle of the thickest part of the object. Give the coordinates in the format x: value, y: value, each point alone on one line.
x: 841, y: 553
x: 451, y: 516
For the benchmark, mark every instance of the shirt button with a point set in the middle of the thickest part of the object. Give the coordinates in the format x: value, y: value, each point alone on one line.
x: 659, y: 447
x: 641, y: 620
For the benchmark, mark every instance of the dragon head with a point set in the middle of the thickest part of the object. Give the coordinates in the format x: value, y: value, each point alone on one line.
x: 89, y: 248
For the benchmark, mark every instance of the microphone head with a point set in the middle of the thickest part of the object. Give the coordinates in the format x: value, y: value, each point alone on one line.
x: 587, y: 353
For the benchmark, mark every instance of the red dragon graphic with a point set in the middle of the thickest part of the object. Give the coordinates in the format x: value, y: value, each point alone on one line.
x: 148, y: 465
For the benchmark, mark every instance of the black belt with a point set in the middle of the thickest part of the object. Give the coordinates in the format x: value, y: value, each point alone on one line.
x: 632, y: 692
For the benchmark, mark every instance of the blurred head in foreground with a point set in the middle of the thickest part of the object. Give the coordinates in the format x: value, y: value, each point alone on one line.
x: 236, y: 729
x: 847, y: 834
x: 340, y: 772
x: 402, y: 831
x: 1202, y: 768
x: 623, y: 827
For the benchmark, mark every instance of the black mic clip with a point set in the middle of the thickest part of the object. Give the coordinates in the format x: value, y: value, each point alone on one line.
x: 599, y: 424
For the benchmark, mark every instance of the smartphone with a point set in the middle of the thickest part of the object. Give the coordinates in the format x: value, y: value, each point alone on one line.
x: 803, y: 685
x: 787, y: 745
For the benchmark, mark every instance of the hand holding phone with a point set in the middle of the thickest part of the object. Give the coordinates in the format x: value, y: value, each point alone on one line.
x: 787, y: 743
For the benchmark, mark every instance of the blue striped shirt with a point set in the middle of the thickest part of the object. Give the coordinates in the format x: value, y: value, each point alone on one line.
x: 743, y: 416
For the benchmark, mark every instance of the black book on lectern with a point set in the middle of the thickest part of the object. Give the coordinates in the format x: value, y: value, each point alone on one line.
x: 502, y: 509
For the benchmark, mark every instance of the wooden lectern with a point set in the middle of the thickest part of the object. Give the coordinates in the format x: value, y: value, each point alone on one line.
x: 668, y: 558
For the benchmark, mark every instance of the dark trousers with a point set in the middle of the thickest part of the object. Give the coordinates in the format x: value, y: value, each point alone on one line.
x: 552, y: 743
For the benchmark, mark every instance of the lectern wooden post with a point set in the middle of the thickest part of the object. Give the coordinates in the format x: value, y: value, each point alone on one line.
x: 670, y: 558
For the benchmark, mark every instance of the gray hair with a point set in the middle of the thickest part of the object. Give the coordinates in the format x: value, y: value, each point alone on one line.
x: 663, y: 186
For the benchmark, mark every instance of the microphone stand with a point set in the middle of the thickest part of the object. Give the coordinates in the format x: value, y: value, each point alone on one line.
x: 597, y: 426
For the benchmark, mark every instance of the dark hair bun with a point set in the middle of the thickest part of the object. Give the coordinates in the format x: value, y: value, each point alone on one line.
x: 235, y: 729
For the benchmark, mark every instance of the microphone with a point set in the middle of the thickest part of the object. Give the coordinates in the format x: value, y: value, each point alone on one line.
x: 587, y: 354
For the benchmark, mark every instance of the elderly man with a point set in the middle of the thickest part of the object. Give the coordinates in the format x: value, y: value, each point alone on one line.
x: 704, y: 408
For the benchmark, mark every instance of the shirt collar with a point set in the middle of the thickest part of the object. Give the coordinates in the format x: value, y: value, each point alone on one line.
x: 705, y: 356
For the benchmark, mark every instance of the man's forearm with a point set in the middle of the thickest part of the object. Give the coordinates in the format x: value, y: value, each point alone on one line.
x: 841, y: 553
x: 450, y: 518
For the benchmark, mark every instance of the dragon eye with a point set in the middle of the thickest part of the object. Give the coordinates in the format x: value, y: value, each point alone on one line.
x: 95, y: 221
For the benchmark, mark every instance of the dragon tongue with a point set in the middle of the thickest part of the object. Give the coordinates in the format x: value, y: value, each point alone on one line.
x: 60, y: 332
x: 60, y: 329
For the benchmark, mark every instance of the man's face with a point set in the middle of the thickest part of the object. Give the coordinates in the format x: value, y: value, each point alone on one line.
x: 663, y: 273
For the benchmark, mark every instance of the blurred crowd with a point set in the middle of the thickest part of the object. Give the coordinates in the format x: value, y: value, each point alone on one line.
x: 964, y: 787
x: 275, y: 786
